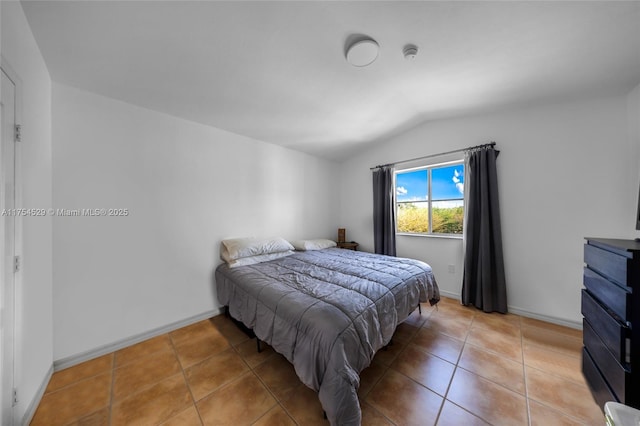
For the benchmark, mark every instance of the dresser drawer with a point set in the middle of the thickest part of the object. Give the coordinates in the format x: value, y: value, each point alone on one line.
x: 599, y: 388
x: 613, y: 333
x: 612, y: 371
x: 616, y: 298
x: 609, y: 264
x: 611, y: 325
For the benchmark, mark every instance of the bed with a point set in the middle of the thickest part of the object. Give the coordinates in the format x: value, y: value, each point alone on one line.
x: 327, y: 311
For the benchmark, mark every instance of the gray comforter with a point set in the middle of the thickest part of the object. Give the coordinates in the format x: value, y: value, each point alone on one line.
x: 327, y: 312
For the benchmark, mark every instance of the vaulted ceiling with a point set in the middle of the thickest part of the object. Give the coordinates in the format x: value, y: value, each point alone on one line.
x: 276, y: 71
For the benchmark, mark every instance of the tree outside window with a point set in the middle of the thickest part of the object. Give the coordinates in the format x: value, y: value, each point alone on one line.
x: 430, y: 200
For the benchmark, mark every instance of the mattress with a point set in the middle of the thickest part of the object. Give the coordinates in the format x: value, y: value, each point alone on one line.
x: 328, y: 312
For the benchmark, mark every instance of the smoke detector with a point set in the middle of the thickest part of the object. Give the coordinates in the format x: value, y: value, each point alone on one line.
x: 410, y: 52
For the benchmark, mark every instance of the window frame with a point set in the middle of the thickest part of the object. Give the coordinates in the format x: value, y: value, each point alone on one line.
x: 429, y: 200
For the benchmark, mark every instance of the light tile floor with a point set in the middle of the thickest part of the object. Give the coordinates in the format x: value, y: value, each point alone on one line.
x: 452, y: 365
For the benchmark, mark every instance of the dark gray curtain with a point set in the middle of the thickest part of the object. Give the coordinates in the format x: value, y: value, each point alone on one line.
x: 384, y: 216
x: 484, y: 283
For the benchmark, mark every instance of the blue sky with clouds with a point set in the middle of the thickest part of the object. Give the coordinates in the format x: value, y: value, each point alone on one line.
x: 447, y: 182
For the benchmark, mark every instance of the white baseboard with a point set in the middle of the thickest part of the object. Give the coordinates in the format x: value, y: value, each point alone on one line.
x: 33, y: 405
x: 70, y: 361
x: 449, y: 294
x: 528, y: 314
x: 546, y: 318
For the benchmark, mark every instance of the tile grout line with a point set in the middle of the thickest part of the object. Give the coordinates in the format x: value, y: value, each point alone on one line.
x: 558, y: 352
x: 444, y: 398
x: 184, y: 376
x: 388, y: 367
x: 378, y: 381
x: 524, y: 376
x: 75, y: 382
x: 127, y: 364
x: 557, y: 334
x: 557, y: 376
x: 236, y: 350
x: 267, y: 387
x: 257, y: 376
x: 113, y: 382
x: 559, y: 412
x: 455, y: 368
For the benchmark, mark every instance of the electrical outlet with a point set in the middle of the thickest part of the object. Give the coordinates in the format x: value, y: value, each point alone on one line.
x: 452, y: 269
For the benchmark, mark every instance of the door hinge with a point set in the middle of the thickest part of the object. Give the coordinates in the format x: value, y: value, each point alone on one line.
x: 16, y: 263
x: 18, y: 133
x: 15, y: 397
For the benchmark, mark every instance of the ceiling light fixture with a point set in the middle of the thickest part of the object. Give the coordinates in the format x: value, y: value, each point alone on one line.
x: 362, y: 53
x: 410, y: 52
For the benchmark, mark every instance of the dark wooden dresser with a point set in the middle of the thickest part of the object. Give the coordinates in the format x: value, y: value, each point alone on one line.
x: 611, y: 323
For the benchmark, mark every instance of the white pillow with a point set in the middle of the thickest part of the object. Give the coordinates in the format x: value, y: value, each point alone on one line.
x: 317, y: 244
x: 237, y: 248
x: 251, y: 260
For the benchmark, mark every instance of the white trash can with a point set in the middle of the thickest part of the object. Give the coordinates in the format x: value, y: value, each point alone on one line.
x: 617, y: 414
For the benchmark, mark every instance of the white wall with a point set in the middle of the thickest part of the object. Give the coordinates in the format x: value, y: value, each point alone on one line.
x: 186, y: 186
x: 633, y: 120
x: 34, y: 296
x: 566, y: 171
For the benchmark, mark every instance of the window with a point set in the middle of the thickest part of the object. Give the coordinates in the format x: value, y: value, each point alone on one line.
x: 430, y: 200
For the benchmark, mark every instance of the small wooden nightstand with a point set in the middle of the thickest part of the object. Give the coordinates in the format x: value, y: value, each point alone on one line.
x: 349, y: 245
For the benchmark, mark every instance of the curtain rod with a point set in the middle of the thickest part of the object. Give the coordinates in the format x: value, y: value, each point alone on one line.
x: 434, y: 155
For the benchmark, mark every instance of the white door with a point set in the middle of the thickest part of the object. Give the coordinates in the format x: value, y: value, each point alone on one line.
x: 7, y: 247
